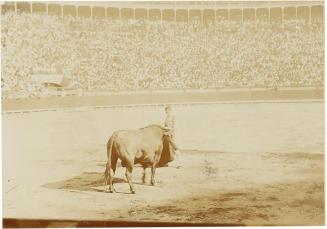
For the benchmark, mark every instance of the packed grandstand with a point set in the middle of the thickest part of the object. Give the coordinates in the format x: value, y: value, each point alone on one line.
x: 129, y: 55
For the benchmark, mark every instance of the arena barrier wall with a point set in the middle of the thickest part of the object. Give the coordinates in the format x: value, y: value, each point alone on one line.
x: 158, y: 98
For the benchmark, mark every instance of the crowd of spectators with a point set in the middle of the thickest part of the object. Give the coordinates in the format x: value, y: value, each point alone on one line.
x: 119, y: 55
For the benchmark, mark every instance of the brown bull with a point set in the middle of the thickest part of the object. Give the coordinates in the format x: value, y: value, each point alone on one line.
x: 147, y: 146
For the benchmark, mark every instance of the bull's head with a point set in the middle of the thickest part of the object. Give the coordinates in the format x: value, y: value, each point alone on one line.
x: 168, y: 154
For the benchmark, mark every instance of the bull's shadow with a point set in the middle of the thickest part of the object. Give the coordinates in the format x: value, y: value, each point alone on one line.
x: 87, y: 181
x: 84, y: 182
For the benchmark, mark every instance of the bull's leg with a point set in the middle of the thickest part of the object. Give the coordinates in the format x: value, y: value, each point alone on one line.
x: 128, y: 173
x: 153, y: 170
x: 143, y: 176
x: 154, y: 166
x: 114, y: 160
x: 111, y: 177
x: 107, y: 176
x: 111, y: 169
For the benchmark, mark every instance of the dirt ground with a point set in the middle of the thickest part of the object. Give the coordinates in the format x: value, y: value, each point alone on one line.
x: 247, y: 164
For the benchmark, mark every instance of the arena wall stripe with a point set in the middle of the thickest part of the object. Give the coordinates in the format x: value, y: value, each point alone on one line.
x: 59, y: 103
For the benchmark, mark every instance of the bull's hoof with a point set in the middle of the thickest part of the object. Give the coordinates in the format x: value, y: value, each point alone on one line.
x: 133, y: 192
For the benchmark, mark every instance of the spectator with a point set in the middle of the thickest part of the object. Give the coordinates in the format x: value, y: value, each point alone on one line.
x: 103, y: 55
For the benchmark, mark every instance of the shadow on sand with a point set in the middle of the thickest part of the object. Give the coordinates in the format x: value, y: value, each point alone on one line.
x: 88, y: 181
x: 84, y: 182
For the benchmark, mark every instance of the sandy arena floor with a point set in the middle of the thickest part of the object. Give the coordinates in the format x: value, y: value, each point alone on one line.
x: 252, y: 164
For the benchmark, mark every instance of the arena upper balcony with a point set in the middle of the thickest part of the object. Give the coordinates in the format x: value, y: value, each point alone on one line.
x: 175, y: 10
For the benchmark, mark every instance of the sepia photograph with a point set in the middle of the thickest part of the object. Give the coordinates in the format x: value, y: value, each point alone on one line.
x: 162, y: 113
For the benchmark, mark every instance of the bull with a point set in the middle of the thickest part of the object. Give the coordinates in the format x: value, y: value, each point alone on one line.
x: 148, y: 146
